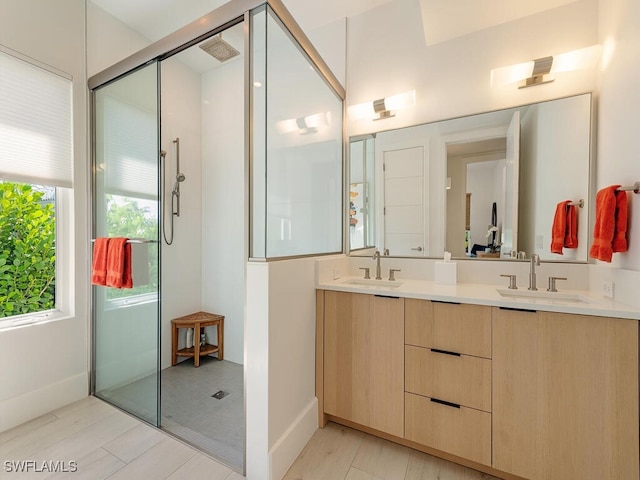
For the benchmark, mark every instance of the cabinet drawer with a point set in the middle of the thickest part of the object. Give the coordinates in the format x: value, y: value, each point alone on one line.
x: 461, y: 328
x: 459, y: 379
x: 460, y: 431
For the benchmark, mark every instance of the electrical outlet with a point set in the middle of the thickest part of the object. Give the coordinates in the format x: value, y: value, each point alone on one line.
x: 336, y: 273
x: 607, y: 289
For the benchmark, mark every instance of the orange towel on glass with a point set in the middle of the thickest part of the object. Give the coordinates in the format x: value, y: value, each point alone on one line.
x: 119, y: 263
x: 564, y: 232
x: 609, y: 233
x: 99, y: 270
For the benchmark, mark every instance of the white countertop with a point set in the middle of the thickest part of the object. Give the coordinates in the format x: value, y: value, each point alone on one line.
x: 482, y: 294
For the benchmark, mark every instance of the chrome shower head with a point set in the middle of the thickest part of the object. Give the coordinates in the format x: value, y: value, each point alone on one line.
x: 180, y: 178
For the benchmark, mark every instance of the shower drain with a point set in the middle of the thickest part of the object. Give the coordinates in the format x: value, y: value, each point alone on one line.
x: 220, y: 394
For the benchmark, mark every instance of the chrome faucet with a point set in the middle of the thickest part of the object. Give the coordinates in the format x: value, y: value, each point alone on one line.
x: 535, y: 261
x: 376, y: 257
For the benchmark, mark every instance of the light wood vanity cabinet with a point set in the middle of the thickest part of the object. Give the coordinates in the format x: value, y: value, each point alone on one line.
x: 364, y: 360
x: 565, y: 396
x: 448, y: 377
x: 537, y: 395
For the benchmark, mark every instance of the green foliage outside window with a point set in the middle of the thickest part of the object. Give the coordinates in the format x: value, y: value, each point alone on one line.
x: 126, y: 218
x: 27, y: 250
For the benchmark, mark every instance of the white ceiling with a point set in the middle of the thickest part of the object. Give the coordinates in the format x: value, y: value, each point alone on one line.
x: 442, y: 19
x: 155, y: 19
x: 447, y: 19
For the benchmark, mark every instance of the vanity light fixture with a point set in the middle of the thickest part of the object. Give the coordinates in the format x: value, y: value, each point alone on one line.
x: 540, y: 74
x: 542, y: 70
x: 305, y: 125
x: 383, y: 107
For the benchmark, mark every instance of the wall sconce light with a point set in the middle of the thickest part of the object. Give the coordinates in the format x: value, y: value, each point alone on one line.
x: 540, y: 74
x: 383, y: 107
x: 305, y: 125
x: 542, y: 70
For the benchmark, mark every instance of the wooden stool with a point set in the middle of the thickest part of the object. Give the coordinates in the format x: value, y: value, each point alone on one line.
x: 197, y: 321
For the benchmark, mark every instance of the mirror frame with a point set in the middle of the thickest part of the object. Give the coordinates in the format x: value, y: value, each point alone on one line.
x: 589, y: 200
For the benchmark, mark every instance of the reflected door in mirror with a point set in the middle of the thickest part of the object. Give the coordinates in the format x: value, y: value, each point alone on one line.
x: 404, y: 219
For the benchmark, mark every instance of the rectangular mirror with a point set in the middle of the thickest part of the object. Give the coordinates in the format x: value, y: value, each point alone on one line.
x: 481, y: 186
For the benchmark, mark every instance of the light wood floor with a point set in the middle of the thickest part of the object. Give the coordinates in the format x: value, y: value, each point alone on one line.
x: 340, y: 453
x: 107, y: 443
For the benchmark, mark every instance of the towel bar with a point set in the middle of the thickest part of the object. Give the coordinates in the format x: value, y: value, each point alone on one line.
x: 134, y: 240
x: 635, y: 188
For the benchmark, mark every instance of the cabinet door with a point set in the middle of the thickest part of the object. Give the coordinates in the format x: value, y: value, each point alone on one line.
x: 364, y: 360
x: 565, y: 396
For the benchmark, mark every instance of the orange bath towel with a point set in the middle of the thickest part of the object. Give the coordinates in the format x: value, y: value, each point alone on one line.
x: 564, y: 232
x: 99, y: 270
x: 119, y: 263
x: 571, y: 235
x: 605, y: 226
x: 620, y: 234
x: 559, y: 228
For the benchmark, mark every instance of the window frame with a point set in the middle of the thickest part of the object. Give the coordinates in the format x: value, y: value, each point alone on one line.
x: 64, y: 231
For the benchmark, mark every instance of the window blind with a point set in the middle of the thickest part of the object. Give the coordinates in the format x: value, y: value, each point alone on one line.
x: 130, y: 149
x: 36, y: 124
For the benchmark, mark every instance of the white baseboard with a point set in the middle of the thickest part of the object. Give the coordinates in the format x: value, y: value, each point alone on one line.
x: 25, y: 407
x: 291, y: 443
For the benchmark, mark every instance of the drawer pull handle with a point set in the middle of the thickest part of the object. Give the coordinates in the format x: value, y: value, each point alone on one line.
x: 445, y: 352
x: 386, y: 296
x: 447, y: 303
x: 442, y: 402
x: 518, y: 309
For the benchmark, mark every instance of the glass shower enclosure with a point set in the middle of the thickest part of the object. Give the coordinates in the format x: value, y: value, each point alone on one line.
x: 126, y: 204
x: 292, y: 190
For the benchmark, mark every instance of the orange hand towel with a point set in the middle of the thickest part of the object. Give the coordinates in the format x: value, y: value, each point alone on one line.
x: 119, y: 263
x: 620, y: 234
x: 99, y: 270
x: 604, y: 229
x: 559, y: 228
x: 571, y: 235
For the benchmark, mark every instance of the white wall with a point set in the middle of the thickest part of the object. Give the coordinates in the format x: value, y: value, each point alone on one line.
x: 618, y: 158
x: 560, y: 148
x: 280, y: 375
x: 387, y: 54
x: 182, y: 272
x: 108, y: 40
x: 46, y: 365
x: 224, y: 235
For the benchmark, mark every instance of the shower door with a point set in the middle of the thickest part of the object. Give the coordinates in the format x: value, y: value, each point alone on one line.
x: 125, y: 369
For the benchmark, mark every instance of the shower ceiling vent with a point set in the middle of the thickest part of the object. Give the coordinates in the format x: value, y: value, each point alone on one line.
x: 219, y: 49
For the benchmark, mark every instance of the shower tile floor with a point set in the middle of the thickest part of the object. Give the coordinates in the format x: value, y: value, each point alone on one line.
x: 189, y: 409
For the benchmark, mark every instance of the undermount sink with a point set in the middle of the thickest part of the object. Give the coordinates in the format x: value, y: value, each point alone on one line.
x: 374, y: 283
x: 542, y: 295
